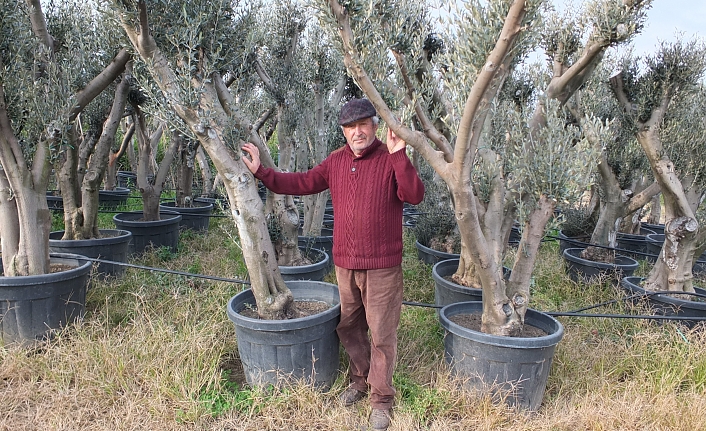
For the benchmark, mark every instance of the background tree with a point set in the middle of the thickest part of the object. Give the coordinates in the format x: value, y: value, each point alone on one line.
x: 49, y: 73
x: 187, y: 48
x: 663, y: 101
x: 621, y: 172
x: 451, y: 99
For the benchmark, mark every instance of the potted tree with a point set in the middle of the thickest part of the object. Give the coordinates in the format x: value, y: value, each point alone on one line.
x: 46, y: 84
x: 454, y: 126
x: 659, y: 105
x: 198, y: 94
x: 152, y: 226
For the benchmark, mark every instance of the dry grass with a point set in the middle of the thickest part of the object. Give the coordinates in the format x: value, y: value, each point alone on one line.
x: 151, y: 351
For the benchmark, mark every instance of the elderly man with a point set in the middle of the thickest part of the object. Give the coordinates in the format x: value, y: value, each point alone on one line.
x: 369, y: 182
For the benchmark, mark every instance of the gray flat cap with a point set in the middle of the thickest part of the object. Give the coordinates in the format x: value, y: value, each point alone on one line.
x: 356, y: 109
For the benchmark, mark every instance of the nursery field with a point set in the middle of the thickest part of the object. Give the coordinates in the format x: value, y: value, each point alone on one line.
x: 156, y: 351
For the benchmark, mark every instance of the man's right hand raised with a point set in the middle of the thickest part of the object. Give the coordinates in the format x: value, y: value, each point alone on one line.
x: 254, y: 153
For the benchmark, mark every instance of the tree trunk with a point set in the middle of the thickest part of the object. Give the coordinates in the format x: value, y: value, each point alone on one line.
x: 81, y: 217
x: 273, y: 298
x: 655, y: 210
x: 205, y: 169
x: 186, y: 155
x: 284, y: 211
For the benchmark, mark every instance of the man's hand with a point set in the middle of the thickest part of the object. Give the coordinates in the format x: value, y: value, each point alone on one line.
x: 394, y: 143
x: 253, y: 164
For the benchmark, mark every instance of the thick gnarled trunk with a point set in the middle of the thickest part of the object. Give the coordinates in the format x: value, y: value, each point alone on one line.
x: 273, y: 298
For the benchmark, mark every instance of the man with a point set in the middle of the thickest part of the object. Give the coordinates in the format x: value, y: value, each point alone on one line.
x: 369, y: 183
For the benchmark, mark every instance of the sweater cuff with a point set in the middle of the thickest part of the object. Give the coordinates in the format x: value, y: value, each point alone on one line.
x: 399, y: 156
x: 261, y: 171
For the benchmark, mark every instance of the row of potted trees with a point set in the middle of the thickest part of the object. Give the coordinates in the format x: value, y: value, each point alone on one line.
x: 485, y: 152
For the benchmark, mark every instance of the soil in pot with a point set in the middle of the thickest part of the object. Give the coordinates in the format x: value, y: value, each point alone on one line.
x: 474, y: 321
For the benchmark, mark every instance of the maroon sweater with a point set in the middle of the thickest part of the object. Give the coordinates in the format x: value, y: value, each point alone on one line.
x: 367, y: 193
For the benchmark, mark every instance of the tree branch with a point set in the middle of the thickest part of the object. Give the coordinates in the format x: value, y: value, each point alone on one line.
x: 39, y: 24
x: 428, y: 127
x: 416, y: 140
x: 493, y: 66
x: 100, y: 82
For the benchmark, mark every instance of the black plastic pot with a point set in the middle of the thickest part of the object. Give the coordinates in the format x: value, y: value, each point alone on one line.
x: 323, y: 242
x: 656, y: 228
x: 512, y: 369
x: 315, y: 271
x: 447, y: 292
x: 633, y: 242
x: 159, y: 233
x: 409, y: 216
x: 127, y: 179
x: 275, y: 351
x: 218, y: 202
x: 583, y: 270
x: 431, y: 256
x: 111, y: 199
x: 571, y: 241
x: 196, y: 217
x: 669, y: 305
x: 113, y: 245
x: 54, y: 200
x: 32, y: 306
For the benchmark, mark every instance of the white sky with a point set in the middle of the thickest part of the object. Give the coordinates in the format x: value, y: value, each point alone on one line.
x: 664, y: 20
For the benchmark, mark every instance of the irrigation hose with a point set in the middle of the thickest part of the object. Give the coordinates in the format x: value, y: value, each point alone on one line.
x: 424, y: 305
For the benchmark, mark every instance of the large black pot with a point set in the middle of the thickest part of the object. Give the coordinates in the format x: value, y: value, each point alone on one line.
x: 32, y: 306
x: 572, y: 241
x: 634, y: 242
x: 513, y: 369
x: 306, y: 348
x: 447, y: 292
x: 195, y: 217
x: 127, y: 179
x: 111, y: 199
x: 432, y: 257
x: 54, y: 200
x: 113, y: 245
x: 160, y: 233
x: 669, y: 305
x: 323, y: 242
x: 656, y: 228
x: 315, y: 271
x: 583, y: 270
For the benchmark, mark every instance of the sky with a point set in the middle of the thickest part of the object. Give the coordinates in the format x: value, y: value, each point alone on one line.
x: 664, y: 20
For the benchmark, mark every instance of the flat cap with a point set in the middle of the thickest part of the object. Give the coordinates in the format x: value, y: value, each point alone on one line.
x: 356, y: 109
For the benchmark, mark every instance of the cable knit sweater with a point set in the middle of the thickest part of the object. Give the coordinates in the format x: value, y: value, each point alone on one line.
x: 367, y: 193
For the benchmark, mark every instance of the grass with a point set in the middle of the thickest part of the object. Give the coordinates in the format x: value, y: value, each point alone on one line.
x: 156, y: 351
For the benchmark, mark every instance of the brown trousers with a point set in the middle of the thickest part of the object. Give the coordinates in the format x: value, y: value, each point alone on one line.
x: 371, y: 300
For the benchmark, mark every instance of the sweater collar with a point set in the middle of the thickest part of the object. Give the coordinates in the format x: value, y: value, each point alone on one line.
x: 372, y: 148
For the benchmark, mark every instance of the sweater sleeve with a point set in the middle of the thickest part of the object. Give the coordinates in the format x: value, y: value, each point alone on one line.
x: 295, y: 183
x: 410, y: 188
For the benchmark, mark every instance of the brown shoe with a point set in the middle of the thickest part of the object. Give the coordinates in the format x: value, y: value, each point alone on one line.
x: 351, y: 396
x: 380, y: 419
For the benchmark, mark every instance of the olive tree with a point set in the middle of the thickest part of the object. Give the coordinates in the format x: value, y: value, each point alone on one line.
x: 621, y: 172
x: 187, y: 47
x: 388, y: 50
x: 49, y: 72
x: 663, y: 100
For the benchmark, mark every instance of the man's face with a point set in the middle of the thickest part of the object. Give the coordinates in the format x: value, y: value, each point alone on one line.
x: 360, y: 134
